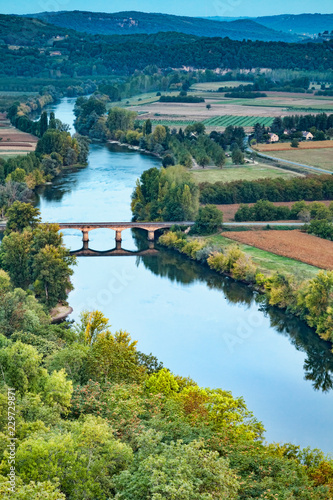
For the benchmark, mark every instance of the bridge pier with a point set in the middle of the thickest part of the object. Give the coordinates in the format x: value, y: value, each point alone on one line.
x: 151, y: 235
x: 118, y: 235
x: 85, y: 235
x: 118, y: 245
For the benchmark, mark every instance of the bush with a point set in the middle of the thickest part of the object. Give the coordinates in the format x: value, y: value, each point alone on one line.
x: 244, y: 269
x: 321, y: 228
x: 208, y: 221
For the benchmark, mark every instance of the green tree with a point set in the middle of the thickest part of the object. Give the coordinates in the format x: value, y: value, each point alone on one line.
x: 147, y: 127
x: 43, y: 124
x: 237, y: 156
x: 113, y: 357
x: 21, y: 215
x: 15, y: 257
x: 208, y: 220
x: 51, y: 273
x: 120, y: 119
x: 20, y: 364
x: 200, y: 473
x: 294, y: 143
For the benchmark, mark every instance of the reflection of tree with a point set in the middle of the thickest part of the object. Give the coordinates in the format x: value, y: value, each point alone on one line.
x: 62, y: 185
x: 318, y: 365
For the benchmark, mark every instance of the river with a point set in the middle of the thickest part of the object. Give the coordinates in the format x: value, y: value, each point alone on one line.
x: 197, y: 323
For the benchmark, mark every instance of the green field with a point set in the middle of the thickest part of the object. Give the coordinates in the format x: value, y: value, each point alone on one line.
x: 248, y: 173
x: 170, y: 123
x: 239, y: 121
x: 321, y: 157
x: 269, y: 262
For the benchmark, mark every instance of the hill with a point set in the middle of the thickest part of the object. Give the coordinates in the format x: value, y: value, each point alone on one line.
x: 123, y: 23
x: 300, y: 24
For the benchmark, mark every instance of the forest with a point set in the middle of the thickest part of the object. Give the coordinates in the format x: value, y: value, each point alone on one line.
x: 74, y: 54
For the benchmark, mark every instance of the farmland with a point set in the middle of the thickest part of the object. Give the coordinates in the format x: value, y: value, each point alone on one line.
x: 268, y: 262
x: 321, y: 157
x: 239, y: 121
x: 234, y: 173
x: 292, y: 244
x: 13, y: 141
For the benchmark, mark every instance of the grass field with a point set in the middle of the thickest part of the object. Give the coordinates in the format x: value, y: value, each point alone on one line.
x: 269, y: 262
x: 248, y: 173
x: 239, y: 121
x: 322, y: 158
x: 285, y: 146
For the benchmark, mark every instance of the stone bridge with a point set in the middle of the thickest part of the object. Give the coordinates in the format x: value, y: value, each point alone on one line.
x: 118, y: 227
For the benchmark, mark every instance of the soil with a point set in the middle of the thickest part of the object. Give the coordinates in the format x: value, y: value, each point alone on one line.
x: 294, y: 244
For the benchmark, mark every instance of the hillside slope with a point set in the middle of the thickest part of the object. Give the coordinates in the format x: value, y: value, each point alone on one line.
x: 139, y: 22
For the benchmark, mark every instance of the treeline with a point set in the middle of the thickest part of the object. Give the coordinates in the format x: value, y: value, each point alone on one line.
x: 310, y: 300
x: 83, y: 55
x: 322, y: 228
x: 309, y: 188
x: 181, y: 98
x: 245, y: 95
x: 264, y: 210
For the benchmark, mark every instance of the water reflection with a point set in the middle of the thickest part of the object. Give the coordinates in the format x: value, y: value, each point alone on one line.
x: 318, y: 364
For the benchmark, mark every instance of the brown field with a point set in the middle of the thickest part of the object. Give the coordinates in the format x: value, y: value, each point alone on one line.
x: 285, y: 146
x: 11, y: 139
x: 293, y: 244
x: 230, y: 210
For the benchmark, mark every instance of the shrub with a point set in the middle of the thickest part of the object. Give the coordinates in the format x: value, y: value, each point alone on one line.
x: 208, y: 221
x: 244, y: 269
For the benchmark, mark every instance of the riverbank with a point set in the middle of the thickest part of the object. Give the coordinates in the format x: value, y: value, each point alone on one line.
x: 308, y: 297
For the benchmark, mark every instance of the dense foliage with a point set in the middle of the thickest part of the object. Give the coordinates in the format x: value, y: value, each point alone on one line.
x: 309, y: 188
x: 34, y: 256
x: 264, y: 210
x: 46, y: 51
x: 166, y: 194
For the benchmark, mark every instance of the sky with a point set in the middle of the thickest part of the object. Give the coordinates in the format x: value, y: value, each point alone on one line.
x: 230, y: 8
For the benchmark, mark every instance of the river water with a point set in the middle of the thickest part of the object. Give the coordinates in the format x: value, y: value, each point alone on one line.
x: 197, y: 323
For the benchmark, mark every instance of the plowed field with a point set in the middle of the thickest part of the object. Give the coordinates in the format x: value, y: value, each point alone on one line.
x: 293, y: 244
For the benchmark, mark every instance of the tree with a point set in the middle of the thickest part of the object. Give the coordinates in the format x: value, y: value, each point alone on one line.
x: 22, y: 215
x: 208, y: 106
x: 200, y: 473
x: 147, y: 127
x: 43, y: 124
x: 294, y: 143
x: 168, y: 160
x: 120, y: 119
x: 20, y: 364
x: 15, y: 257
x: 51, y: 273
x: 208, y: 221
x: 113, y: 357
x: 237, y: 156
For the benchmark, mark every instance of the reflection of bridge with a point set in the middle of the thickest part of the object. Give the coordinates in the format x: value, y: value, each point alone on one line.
x: 85, y: 251
x: 119, y: 227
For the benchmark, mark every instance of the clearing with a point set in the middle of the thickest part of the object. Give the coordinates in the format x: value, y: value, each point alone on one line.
x: 293, y: 244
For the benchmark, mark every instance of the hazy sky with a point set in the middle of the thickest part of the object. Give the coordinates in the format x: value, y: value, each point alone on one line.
x: 232, y: 8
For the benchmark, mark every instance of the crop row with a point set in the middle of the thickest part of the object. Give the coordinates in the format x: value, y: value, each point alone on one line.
x: 239, y: 121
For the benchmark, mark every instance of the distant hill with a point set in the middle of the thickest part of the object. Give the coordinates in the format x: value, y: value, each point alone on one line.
x: 300, y: 24
x: 122, y: 23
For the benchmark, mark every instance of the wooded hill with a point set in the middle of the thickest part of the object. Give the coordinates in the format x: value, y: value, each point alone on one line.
x: 132, y: 22
x: 31, y: 48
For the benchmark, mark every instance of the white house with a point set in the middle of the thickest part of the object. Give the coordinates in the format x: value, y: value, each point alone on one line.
x: 307, y: 135
x: 273, y: 137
